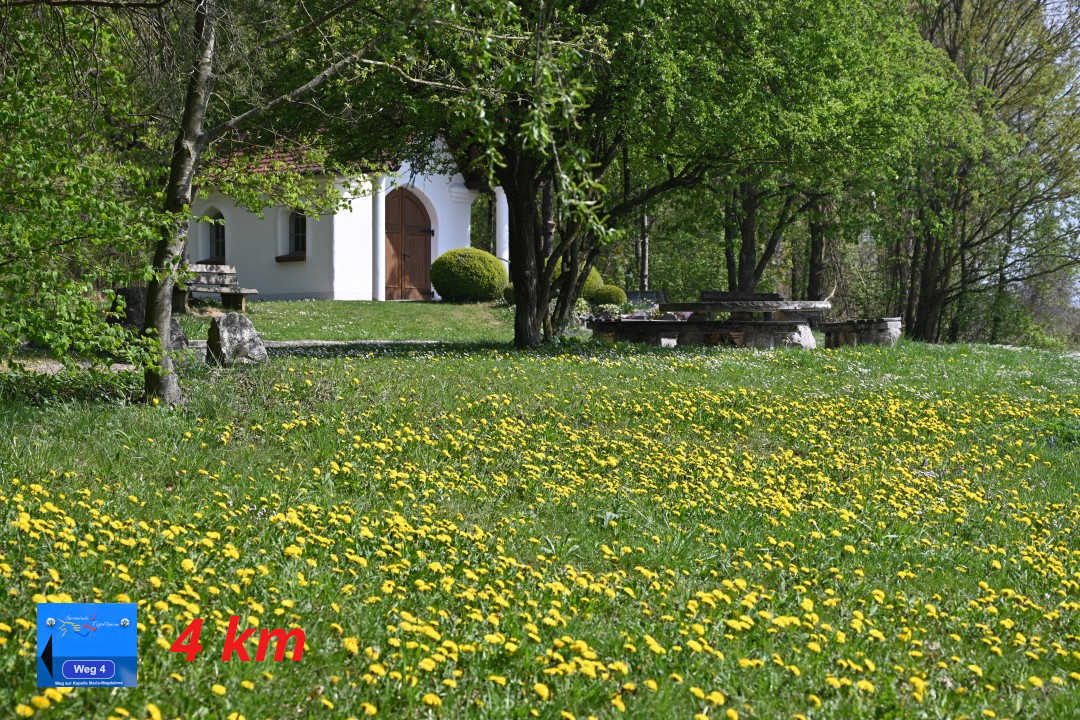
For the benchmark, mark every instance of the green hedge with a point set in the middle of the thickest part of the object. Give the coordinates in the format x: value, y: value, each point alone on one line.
x: 468, y: 275
x: 607, y: 295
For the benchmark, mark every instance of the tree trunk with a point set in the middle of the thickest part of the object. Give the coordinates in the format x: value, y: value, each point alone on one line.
x: 796, y: 284
x: 912, y: 281
x: 731, y: 231
x: 161, y: 383
x: 748, y: 234
x: 815, y: 280
x: 548, y: 215
x: 644, y: 279
x: 530, y: 293
x: 572, y: 280
x: 897, y: 269
x: 928, y: 307
x: 960, y: 319
x: 997, y: 311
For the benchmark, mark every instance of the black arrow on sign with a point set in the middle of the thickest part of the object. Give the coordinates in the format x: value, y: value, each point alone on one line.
x: 46, y: 656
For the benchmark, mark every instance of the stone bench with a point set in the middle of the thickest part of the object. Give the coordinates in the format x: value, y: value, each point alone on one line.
x: 218, y: 279
x: 763, y: 334
x: 871, y: 331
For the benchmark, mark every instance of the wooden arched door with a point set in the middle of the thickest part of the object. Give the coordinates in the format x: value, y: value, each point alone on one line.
x: 408, y: 247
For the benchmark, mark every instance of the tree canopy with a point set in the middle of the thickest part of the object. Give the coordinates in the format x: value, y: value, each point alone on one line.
x: 938, y: 139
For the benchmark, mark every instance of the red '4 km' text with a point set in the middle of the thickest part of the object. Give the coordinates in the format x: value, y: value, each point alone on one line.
x: 188, y: 642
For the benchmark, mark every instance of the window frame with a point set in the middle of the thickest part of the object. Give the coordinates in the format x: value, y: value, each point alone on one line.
x: 296, y: 237
x: 215, y: 235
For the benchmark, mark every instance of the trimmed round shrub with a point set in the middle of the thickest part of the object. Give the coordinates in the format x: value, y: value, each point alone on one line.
x: 508, y: 294
x: 592, y: 283
x: 607, y: 295
x: 468, y: 275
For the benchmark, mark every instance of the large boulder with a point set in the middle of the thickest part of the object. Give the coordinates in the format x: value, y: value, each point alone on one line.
x: 232, y: 340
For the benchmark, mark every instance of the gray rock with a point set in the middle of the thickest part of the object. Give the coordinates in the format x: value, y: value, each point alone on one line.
x: 801, y: 337
x: 177, y: 337
x: 882, y: 331
x: 870, y: 331
x: 767, y: 336
x: 232, y: 340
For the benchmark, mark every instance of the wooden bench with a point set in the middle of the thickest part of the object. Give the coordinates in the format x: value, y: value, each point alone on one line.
x: 219, y: 279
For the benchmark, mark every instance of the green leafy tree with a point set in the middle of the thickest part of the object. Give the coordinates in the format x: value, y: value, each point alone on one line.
x: 546, y: 97
x: 73, y: 213
x: 966, y: 216
x: 212, y: 85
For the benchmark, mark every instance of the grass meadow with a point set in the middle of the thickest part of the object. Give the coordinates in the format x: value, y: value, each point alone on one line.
x: 361, y: 320
x: 581, y: 532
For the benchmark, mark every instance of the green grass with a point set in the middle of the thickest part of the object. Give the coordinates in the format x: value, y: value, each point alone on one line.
x: 349, y: 320
x: 839, y: 533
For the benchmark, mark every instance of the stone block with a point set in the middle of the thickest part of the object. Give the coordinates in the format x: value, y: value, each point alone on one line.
x: 177, y: 337
x: 871, y: 331
x: 232, y: 340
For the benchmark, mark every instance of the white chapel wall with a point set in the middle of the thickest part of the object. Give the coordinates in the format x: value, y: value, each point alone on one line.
x: 352, y: 263
x: 252, y: 245
x: 341, y: 260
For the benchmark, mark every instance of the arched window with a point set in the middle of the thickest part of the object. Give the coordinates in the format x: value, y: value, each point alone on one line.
x: 297, y: 233
x: 215, y: 233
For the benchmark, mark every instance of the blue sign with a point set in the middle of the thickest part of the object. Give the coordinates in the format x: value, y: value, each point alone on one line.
x: 87, y: 644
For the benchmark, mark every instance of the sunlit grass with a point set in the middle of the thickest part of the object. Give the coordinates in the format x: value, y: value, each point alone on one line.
x: 346, y: 320
x: 591, y: 531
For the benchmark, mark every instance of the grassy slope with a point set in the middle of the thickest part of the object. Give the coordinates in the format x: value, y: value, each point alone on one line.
x: 909, y: 516
x: 342, y: 320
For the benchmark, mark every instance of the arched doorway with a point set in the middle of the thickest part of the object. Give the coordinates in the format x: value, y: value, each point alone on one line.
x: 408, y: 247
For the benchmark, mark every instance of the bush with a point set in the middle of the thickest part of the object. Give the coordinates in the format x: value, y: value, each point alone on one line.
x: 508, y: 294
x: 605, y: 312
x: 592, y: 283
x: 468, y: 275
x: 607, y: 295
